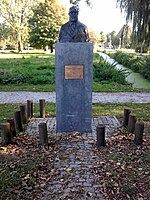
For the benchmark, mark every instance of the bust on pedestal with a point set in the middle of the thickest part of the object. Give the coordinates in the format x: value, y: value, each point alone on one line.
x: 74, y: 63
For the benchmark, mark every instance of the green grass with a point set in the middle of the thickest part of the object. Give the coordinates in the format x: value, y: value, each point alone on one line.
x: 117, y: 109
x: 115, y: 87
x: 27, y: 68
x: 97, y: 87
x: 35, y: 71
x: 28, y: 87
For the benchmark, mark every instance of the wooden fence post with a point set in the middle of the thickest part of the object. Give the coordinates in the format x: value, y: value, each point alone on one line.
x: 23, y: 110
x: 18, y: 121
x: 43, y: 134
x: 29, y: 109
x: 12, y: 127
x: 127, y: 111
x: 100, y: 131
x: 42, y: 108
x: 6, y: 134
x: 131, y: 123
x: 139, y: 129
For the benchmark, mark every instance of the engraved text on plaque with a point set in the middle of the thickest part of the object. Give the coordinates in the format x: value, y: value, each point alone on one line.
x: 74, y: 71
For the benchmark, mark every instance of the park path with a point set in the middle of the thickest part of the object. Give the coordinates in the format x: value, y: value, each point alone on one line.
x: 73, y: 171
x: 102, y: 97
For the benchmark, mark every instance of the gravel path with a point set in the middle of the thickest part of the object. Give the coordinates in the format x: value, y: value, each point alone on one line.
x: 103, y: 97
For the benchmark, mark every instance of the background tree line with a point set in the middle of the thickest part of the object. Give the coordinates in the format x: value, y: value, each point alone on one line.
x: 34, y: 22
x: 37, y: 23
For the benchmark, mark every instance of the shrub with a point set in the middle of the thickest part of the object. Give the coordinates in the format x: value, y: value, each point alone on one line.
x: 140, y: 64
x: 104, y: 72
x: 145, y: 71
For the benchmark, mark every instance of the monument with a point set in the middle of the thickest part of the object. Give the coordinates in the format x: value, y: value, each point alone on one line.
x: 74, y: 63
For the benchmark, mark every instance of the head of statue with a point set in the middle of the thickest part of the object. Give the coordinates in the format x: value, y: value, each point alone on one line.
x: 73, y: 14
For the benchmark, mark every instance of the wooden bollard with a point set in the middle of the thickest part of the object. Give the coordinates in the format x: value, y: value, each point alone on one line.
x: 29, y: 109
x: 6, y: 134
x: 43, y: 134
x: 18, y: 121
x: 100, y: 131
x: 12, y: 127
x: 42, y: 108
x: 23, y: 110
x: 139, y: 129
x: 131, y: 123
x: 127, y: 111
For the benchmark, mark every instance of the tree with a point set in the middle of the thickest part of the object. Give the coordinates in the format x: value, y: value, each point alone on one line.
x: 4, y: 33
x: 102, y: 39
x: 45, y: 23
x: 138, y: 11
x: 16, y: 14
x: 124, y: 36
x: 112, y: 39
x: 76, y: 2
x: 94, y: 36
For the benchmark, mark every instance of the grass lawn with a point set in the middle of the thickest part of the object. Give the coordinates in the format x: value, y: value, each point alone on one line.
x: 35, y: 71
x: 117, y: 109
x: 97, y: 87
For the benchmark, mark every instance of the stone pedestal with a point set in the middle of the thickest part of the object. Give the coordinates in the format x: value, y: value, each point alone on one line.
x: 74, y: 64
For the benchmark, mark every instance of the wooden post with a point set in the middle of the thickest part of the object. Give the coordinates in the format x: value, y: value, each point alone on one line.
x: 23, y: 110
x: 12, y: 127
x: 29, y: 109
x: 127, y: 111
x: 18, y: 121
x: 43, y: 134
x: 42, y: 108
x: 6, y: 134
x: 100, y: 131
x: 131, y: 123
x: 139, y: 129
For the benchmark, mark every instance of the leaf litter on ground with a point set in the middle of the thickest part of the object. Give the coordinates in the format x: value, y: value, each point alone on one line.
x: 123, y: 168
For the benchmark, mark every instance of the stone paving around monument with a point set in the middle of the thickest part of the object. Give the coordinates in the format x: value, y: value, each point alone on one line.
x: 110, y: 122
x: 73, y: 169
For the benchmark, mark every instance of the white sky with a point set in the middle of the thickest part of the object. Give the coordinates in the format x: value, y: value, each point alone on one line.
x: 103, y: 16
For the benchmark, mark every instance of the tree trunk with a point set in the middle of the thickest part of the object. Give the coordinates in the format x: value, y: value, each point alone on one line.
x: 51, y: 48
x: 45, y: 48
x: 20, y: 48
x: 20, y: 45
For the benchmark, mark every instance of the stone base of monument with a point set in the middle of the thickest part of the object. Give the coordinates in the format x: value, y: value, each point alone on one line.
x: 74, y: 63
x: 111, y: 123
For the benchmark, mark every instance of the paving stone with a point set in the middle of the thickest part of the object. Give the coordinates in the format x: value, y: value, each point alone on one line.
x: 74, y: 161
x: 110, y: 122
x: 70, y: 184
x: 87, y: 184
x: 82, y: 180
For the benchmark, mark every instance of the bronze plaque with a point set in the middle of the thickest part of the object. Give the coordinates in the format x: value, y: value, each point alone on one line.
x: 73, y: 71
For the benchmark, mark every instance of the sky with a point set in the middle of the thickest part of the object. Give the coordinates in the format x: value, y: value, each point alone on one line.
x: 103, y: 16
